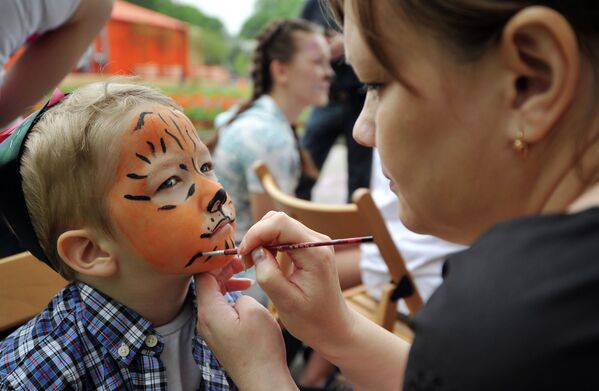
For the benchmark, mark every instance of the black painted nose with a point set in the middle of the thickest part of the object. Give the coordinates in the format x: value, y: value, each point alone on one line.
x: 217, y: 201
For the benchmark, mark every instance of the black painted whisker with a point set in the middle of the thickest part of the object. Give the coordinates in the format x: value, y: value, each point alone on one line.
x: 137, y: 197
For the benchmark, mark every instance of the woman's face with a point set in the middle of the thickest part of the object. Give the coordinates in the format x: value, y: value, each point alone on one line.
x: 309, y: 72
x: 438, y: 126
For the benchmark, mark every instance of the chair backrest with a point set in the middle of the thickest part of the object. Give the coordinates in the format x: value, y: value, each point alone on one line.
x: 26, y: 287
x: 360, y: 218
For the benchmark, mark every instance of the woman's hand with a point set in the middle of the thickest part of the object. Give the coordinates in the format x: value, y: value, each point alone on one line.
x: 244, y: 336
x: 309, y: 300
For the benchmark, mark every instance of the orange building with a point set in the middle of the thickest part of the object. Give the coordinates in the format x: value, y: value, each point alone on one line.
x: 139, y: 41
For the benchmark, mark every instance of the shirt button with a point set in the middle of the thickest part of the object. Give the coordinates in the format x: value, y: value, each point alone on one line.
x: 123, y: 351
x: 151, y: 341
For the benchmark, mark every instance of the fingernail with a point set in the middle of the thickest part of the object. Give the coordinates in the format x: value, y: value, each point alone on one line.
x: 258, y: 255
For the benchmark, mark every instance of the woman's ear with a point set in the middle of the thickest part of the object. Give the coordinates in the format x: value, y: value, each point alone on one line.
x: 278, y: 72
x: 81, y: 250
x: 540, y: 50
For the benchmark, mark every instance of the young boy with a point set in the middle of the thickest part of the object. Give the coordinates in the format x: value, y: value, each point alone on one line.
x: 113, y: 189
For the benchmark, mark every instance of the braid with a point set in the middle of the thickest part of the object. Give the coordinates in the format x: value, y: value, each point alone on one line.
x: 260, y: 73
x: 275, y: 42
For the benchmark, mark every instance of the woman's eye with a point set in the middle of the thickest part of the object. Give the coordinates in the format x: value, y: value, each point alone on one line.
x: 206, y: 167
x: 170, y: 182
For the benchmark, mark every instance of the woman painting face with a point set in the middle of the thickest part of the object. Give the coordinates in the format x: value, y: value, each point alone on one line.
x: 166, y: 200
x: 438, y: 125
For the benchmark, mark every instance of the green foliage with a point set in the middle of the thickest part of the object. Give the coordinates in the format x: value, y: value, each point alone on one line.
x: 267, y: 10
x: 214, y: 44
x: 186, y: 13
x: 215, y: 47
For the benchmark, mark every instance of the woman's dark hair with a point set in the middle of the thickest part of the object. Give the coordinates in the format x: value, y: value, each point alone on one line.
x: 470, y: 27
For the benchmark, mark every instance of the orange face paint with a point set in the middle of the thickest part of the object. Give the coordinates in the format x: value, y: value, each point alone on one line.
x: 166, y: 199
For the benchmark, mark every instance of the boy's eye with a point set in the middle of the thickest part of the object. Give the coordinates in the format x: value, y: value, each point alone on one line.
x: 206, y: 167
x: 170, y: 182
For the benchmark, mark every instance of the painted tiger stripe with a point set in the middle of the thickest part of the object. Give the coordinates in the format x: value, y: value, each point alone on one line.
x: 162, y: 145
x: 193, y: 163
x: 166, y: 123
x: 140, y: 120
x: 192, y: 140
x: 192, y: 189
x: 174, y: 138
x: 167, y: 207
x: 152, y: 148
x: 142, y: 157
x: 179, y: 130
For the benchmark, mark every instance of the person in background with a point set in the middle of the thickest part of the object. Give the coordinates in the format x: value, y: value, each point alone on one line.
x: 290, y: 73
x: 55, y: 34
x: 485, y: 118
x: 327, y: 123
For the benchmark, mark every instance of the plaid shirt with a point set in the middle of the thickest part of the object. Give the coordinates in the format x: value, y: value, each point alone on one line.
x: 84, y: 340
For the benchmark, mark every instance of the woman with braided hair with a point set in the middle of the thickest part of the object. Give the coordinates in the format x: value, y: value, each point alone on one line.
x: 290, y: 73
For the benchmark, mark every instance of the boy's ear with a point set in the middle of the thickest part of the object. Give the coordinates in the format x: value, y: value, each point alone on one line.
x: 539, y: 50
x: 81, y: 250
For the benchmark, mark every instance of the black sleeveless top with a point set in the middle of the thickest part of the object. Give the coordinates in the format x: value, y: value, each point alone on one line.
x: 519, y: 310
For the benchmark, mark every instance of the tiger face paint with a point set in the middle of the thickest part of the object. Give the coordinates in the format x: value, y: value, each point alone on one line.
x: 166, y: 199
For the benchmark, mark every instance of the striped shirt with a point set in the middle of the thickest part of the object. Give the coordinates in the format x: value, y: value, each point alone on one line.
x: 84, y: 340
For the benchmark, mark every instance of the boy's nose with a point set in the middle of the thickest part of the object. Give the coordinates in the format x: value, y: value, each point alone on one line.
x: 217, y: 200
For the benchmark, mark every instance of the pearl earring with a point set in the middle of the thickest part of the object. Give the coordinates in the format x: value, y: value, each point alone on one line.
x: 520, y: 145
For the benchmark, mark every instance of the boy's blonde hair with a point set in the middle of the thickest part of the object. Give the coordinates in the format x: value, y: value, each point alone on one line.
x: 70, y: 159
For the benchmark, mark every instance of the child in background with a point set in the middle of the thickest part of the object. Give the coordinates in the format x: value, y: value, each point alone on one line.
x: 112, y: 188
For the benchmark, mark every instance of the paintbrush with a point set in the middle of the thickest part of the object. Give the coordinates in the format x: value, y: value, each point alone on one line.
x: 295, y: 246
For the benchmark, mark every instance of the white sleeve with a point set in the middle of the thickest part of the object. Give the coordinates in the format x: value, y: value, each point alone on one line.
x: 21, y: 19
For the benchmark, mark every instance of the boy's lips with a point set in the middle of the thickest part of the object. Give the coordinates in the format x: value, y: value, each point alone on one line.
x: 224, y: 225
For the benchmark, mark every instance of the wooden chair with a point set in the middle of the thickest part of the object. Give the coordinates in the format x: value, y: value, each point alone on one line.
x: 360, y: 218
x: 26, y: 287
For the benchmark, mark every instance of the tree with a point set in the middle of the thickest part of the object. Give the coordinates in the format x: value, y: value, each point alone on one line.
x: 213, y: 40
x: 267, y: 10
x: 186, y: 13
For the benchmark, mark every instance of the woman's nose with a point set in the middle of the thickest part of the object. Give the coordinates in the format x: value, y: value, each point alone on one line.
x: 329, y: 72
x: 364, y: 128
